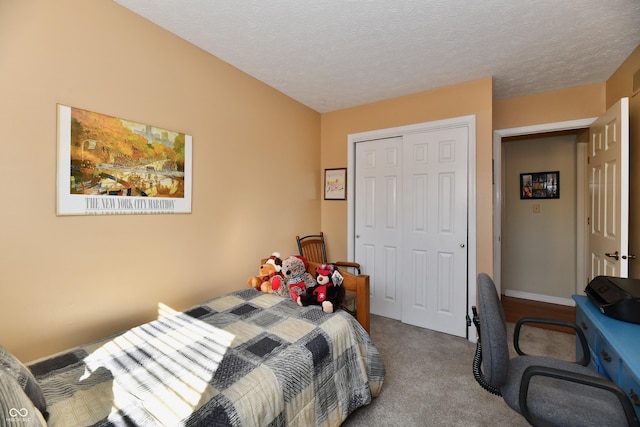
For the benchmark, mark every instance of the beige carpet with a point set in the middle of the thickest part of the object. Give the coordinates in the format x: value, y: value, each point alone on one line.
x: 430, y: 382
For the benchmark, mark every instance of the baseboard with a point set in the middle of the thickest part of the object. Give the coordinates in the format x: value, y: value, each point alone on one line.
x: 541, y: 298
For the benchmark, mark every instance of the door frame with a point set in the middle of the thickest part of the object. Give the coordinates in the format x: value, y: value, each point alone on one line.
x: 498, y: 200
x: 462, y: 121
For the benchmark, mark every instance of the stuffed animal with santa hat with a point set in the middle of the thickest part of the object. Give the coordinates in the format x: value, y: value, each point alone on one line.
x: 328, y: 291
x: 271, y: 268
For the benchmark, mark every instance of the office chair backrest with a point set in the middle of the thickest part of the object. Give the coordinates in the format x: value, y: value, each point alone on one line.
x: 312, y: 248
x: 493, y: 333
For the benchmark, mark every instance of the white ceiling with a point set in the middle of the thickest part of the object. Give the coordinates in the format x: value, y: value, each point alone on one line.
x: 334, y: 54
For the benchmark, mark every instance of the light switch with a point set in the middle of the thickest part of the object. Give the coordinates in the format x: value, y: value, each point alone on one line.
x: 536, y: 208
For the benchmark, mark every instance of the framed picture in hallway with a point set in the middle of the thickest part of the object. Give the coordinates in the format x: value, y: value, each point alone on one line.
x: 335, y: 184
x: 108, y: 165
x: 540, y: 185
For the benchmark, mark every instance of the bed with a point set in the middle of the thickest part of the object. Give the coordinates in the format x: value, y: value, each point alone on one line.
x: 241, y: 359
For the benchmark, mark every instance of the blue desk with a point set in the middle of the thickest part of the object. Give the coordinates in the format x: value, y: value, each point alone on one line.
x: 614, y: 346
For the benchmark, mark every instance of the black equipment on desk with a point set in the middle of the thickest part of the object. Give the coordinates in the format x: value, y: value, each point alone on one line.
x: 616, y: 297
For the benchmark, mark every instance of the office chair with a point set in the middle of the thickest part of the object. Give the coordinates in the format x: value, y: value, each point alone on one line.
x: 546, y: 391
x: 312, y: 247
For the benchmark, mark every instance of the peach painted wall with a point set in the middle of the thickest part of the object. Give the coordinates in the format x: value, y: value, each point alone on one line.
x: 256, y: 174
x: 620, y: 84
x: 460, y: 100
x: 557, y: 106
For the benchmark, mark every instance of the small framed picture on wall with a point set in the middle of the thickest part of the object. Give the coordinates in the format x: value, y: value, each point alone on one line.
x: 540, y: 185
x: 335, y: 184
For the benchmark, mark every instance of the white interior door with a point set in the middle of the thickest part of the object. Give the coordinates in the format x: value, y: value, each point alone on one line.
x: 378, y: 187
x: 609, y: 192
x: 435, y: 230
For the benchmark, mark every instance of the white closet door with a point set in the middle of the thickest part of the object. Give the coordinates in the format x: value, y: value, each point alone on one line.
x: 378, y: 187
x: 411, y: 205
x: 434, y: 233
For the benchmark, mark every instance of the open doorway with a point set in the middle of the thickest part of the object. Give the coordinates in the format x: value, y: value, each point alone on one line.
x: 540, y: 220
x: 510, y: 212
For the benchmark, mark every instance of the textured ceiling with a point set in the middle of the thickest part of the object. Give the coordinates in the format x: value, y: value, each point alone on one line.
x: 334, y: 54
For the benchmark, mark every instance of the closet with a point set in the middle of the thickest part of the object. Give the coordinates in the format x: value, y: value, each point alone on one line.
x: 411, y: 221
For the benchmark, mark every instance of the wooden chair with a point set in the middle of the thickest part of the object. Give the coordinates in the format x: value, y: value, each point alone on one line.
x: 312, y: 247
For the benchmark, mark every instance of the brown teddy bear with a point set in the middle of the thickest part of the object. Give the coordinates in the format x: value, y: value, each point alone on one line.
x: 270, y: 269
